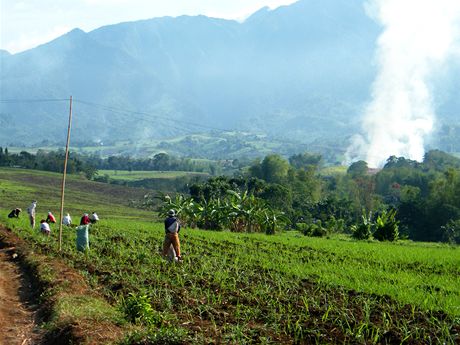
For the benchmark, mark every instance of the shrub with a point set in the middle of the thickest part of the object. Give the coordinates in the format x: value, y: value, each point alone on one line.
x: 314, y: 229
x: 451, y: 231
x: 138, y: 309
x: 386, y: 226
x: 362, y: 231
x: 318, y: 231
x: 334, y: 225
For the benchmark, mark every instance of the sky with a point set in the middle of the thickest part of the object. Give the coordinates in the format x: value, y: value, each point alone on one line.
x: 24, y: 24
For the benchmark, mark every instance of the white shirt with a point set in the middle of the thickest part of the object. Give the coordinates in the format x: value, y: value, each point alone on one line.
x: 31, y: 209
x: 94, y: 216
x: 67, y: 220
x: 45, y: 227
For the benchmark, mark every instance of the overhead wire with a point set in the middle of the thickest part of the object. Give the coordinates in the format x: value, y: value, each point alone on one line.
x: 143, y: 116
x: 150, y: 115
x: 45, y: 100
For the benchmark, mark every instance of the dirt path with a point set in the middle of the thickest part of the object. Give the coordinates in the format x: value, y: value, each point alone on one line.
x: 17, y: 313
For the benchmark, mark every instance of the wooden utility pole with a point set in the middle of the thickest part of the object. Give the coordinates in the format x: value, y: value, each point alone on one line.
x: 64, y: 174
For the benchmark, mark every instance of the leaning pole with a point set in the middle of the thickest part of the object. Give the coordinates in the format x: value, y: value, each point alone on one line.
x: 64, y: 174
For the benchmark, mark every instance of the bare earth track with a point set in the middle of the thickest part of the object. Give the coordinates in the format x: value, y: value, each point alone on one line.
x: 17, y: 313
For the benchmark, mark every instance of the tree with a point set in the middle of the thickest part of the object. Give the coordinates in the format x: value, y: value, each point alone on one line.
x: 357, y: 169
x: 305, y: 161
x: 278, y: 196
x: 274, y: 168
x: 161, y: 161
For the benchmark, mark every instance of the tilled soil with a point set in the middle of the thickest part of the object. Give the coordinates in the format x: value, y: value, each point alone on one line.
x: 17, y: 312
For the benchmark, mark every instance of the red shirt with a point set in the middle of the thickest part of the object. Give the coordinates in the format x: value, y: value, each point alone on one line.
x: 85, y: 220
x: 51, y: 218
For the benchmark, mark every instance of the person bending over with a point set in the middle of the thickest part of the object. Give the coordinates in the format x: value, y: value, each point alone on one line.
x: 50, y: 218
x: 45, y: 227
x: 14, y: 213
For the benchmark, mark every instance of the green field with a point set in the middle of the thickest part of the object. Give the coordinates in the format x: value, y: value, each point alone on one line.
x: 18, y: 187
x: 252, y: 288
x: 125, y: 175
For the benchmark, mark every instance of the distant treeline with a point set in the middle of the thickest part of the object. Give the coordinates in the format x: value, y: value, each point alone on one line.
x: 159, y: 162
x: 90, y: 164
x: 47, y: 161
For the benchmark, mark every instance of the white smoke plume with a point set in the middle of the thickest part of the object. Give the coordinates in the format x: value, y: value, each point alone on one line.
x: 418, y: 36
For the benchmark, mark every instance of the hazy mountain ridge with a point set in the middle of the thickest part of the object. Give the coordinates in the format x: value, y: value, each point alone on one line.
x: 302, y: 71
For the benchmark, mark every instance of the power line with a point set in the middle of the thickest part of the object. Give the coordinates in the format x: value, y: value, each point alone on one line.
x: 177, y: 122
x: 45, y: 100
x: 114, y: 109
x: 125, y: 112
x: 147, y: 117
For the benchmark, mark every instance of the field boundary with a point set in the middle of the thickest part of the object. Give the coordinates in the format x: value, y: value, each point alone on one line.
x: 63, y: 297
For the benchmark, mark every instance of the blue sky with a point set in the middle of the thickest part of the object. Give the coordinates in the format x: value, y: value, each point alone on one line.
x: 25, y: 24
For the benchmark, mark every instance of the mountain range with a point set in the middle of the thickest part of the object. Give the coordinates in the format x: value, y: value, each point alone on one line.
x: 301, y: 72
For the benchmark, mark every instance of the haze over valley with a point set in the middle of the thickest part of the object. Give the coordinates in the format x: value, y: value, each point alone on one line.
x: 301, y: 73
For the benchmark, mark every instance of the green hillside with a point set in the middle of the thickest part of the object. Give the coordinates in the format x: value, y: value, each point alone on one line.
x: 18, y: 187
x: 247, y: 288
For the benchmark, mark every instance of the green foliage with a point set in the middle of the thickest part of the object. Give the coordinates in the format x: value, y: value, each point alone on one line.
x: 315, y: 229
x: 451, y: 231
x: 231, y: 281
x: 306, y: 161
x: 249, y: 287
x: 357, y: 169
x: 239, y: 212
x: 438, y: 160
x: 362, y: 230
x: 386, y: 226
x: 160, y: 162
x: 48, y: 161
x: 137, y: 309
x: 162, y: 336
x: 334, y: 225
x: 273, y: 169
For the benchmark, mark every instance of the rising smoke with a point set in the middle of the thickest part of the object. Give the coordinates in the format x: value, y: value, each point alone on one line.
x: 418, y: 36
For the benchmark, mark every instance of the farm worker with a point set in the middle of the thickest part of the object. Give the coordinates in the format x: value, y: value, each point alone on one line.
x: 31, y: 212
x: 93, y: 218
x: 67, y: 220
x: 14, y: 213
x: 85, y: 219
x: 172, y: 228
x: 50, y: 218
x: 45, y: 227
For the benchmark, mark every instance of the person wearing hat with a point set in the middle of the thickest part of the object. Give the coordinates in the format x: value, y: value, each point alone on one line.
x: 14, y: 213
x: 172, y: 228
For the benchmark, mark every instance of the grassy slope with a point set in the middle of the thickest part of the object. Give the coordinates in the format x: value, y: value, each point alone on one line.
x: 240, y: 288
x: 18, y: 187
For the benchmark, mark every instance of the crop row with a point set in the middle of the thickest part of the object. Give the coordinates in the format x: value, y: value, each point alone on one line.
x: 253, y: 288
